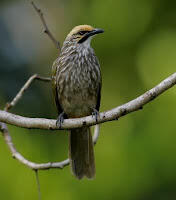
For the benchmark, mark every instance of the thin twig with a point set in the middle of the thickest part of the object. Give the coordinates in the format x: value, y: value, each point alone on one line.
x: 46, y: 29
x: 110, y: 115
x: 23, y: 89
x: 38, y: 184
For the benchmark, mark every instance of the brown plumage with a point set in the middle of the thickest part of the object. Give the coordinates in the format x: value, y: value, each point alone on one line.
x: 76, y: 80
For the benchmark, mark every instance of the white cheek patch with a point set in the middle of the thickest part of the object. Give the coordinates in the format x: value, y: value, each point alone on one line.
x: 86, y: 43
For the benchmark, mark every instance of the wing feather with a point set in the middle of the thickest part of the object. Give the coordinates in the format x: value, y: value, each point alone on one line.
x: 54, y: 87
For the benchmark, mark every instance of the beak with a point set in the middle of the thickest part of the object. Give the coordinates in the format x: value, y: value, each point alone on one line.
x: 91, y: 33
x: 95, y: 31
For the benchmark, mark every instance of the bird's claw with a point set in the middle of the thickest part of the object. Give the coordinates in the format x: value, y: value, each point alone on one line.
x: 60, y: 120
x: 95, y: 114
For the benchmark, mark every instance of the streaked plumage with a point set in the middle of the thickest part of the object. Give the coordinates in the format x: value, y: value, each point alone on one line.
x: 76, y: 84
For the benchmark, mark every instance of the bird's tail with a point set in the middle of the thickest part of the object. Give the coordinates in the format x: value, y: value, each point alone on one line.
x: 81, y: 153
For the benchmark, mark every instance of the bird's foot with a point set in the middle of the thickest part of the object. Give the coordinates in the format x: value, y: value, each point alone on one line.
x: 95, y: 114
x: 60, y: 120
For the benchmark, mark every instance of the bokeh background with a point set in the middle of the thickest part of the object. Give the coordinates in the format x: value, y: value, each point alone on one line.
x: 135, y: 156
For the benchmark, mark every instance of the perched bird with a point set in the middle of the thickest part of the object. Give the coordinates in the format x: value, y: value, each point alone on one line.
x: 76, y: 82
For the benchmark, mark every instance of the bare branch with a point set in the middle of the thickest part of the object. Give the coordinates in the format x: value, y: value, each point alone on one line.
x: 46, y: 29
x: 23, y: 89
x: 110, y: 115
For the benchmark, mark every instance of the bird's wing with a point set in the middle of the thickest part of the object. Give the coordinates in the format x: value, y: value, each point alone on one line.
x: 99, y: 96
x: 54, y: 86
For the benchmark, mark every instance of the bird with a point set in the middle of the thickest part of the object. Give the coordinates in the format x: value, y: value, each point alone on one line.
x: 76, y: 84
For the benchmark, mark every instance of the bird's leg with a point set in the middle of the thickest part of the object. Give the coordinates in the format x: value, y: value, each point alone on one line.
x: 60, y: 120
x: 95, y: 114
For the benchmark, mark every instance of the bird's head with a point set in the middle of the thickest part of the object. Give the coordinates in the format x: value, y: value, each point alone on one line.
x: 83, y: 34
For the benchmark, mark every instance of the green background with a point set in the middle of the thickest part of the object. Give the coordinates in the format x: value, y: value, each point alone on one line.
x: 136, y: 155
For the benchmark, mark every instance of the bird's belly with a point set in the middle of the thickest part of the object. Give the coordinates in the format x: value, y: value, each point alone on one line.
x: 77, y: 105
x: 78, y: 102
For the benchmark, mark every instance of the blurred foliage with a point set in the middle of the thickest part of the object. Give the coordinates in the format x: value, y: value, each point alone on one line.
x: 135, y: 156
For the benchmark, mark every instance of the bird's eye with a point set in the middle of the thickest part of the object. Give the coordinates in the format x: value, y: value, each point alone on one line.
x: 82, y: 32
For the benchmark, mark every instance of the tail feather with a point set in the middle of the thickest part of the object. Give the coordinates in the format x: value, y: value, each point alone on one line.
x: 81, y: 153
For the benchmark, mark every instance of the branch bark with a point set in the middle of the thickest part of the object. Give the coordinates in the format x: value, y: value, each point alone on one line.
x: 114, y: 114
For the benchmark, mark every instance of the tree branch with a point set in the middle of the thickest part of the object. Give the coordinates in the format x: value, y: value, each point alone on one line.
x: 114, y: 114
x: 46, y: 29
